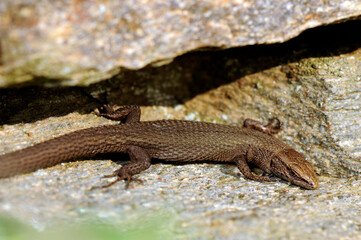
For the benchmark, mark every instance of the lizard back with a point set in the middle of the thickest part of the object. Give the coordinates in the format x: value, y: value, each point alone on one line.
x: 174, y: 140
x: 180, y: 140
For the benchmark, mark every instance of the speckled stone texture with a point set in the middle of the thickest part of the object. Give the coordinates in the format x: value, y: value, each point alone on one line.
x: 193, y: 201
x: 81, y: 42
x: 311, y: 82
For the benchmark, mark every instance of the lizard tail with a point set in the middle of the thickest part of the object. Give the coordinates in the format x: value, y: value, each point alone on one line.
x: 77, y: 144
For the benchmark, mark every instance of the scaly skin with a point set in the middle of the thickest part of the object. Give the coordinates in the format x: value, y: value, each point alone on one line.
x: 169, y: 140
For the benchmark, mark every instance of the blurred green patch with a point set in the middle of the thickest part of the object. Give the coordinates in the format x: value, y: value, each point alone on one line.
x: 149, y: 228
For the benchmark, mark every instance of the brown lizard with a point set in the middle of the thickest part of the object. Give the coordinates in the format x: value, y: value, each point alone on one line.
x: 169, y: 140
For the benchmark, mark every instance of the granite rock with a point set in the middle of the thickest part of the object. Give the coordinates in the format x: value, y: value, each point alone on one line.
x: 81, y: 42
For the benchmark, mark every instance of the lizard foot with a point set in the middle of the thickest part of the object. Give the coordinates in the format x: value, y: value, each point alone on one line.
x: 120, y: 175
x: 105, y: 110
x: 268, y: 177
x: 273, y: 127
x: 125, y: 114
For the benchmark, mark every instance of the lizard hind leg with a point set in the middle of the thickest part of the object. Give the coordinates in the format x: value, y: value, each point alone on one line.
x: 128, y: 114
x: 139, y: 161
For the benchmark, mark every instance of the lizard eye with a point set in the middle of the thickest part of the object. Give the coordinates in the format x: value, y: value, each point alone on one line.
x: 292, y: 173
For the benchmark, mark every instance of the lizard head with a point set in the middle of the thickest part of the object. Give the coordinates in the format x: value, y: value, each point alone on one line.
x: 292, y: 166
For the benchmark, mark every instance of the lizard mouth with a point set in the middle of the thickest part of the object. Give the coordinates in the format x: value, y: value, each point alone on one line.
x: 301, y: 181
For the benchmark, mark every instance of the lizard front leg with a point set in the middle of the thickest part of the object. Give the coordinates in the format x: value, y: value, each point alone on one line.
x: 273, y: 127
x: 128, y: 114
x: 242, y: 161
x: 244, y: 168
x: 139, y: 161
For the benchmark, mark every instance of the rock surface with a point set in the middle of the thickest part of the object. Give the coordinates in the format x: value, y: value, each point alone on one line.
x: 81, y: 42
x: 191, y: 201
x: 312, y: 83
x: 186, y: 201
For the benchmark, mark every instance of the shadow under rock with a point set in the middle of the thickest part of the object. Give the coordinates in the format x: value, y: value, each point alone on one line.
x: 184, y: 78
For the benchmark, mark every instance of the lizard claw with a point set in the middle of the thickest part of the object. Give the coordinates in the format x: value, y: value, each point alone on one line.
x: 132, y: 180
x: 121, y: 175
x: 128, y: 181
x: 111, y: 175
x: 267, y: 177
x: 112, y: 183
